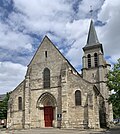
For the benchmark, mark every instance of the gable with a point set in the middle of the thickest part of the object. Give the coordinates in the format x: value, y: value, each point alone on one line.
x: 46, y: 52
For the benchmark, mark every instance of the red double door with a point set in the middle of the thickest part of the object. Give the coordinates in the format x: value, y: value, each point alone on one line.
x: 48, y: 116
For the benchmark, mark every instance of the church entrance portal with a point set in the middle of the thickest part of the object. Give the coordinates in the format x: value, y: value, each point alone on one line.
x: 48, y: 116
x: 47, y: 106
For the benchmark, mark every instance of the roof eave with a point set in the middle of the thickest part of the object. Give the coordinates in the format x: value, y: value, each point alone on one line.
x: 93, y: 47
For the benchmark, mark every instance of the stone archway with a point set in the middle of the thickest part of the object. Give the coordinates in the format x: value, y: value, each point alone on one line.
x: 47, y: 104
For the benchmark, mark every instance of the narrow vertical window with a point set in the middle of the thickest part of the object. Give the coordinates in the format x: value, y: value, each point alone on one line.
x: 45, y: 54
x: 89, y: 60
x: 77, y: 97
x: 19, y: 103
x: 95, y: 59
x: 46, y: 78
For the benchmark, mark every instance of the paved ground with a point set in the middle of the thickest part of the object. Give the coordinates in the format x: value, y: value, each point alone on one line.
x: 115, y: 130
x: 51, y: 131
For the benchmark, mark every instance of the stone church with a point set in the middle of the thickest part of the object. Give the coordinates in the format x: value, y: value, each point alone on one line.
x: 54, y: 94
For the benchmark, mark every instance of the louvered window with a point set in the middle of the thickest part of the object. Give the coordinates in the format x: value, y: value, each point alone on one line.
x: 96, y: 59
x: 89, y: 60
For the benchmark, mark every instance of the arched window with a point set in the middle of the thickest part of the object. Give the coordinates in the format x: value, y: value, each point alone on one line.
x: 19, y: 103
x: 95, y: 59
x: 89, y: 60
x: 46, y: 78
x: 77, y: 97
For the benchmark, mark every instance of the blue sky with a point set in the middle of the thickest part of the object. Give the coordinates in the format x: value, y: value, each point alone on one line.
x: 24, y: 23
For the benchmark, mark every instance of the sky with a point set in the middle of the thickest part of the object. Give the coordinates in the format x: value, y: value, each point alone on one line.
x: 24, y: 23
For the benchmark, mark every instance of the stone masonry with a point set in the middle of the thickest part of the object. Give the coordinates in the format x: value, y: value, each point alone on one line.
x: 59, y: 98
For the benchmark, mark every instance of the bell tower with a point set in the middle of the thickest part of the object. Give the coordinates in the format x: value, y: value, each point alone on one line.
x: 95, y: 67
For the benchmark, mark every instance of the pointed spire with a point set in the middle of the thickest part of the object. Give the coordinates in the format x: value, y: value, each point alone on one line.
x: 92, y: 40
x: 92, y: 36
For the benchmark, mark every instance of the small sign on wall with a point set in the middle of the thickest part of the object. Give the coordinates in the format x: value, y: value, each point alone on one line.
x: 59, y: 117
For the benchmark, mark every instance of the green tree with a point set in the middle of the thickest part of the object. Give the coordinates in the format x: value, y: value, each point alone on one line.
x: 114, y: 86
x: 4, y: 107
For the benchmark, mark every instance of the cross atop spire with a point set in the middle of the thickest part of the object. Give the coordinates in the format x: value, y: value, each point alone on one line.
x: 91, y: 11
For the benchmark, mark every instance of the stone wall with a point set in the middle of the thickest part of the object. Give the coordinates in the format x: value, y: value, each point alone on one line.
x: 80, y: 116
x: 15, y: 116
x: 64, y: 81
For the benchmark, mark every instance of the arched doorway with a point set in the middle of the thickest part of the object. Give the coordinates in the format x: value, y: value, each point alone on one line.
x: 47, y: 103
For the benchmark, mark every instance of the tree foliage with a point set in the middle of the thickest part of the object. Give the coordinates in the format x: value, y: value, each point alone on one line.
x: 4, y: 107
x: 114, y: 86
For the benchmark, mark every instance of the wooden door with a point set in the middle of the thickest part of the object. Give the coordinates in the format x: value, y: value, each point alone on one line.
x: 48, y: 116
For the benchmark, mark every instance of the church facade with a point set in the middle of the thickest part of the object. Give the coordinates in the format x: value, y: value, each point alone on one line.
x: 54, y: 94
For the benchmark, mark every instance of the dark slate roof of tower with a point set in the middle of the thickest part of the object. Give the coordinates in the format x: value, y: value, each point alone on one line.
x: 92, y: 40
x: 92, y: 36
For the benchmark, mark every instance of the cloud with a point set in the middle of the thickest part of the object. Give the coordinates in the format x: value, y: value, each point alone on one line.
x: 110, y: 32
x: 77, y: 31
x: 24, y: 23
x: 85, y: 7
x: 42, y: 16
x: 11, y: 75
x: 13, y: 40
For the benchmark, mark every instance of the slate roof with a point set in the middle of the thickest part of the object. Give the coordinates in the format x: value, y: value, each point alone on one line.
x: 92, y: 40
x: 92, y: 36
